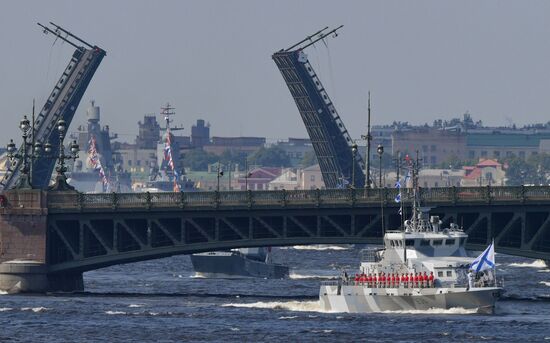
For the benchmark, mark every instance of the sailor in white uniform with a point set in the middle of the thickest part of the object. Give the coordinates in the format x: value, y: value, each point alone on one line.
x: 470, y: 279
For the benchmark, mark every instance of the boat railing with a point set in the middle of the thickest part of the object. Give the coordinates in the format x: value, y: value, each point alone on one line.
x: 438, y: 284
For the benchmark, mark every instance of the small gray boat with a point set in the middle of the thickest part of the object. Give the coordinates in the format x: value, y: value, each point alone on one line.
x: 238, y: 263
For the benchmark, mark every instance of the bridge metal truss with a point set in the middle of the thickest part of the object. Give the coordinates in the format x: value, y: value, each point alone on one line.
x: 61, y: 104
x: 90, y: 231
x: 330, y: 139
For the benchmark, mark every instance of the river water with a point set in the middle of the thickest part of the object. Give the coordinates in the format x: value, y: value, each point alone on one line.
x: 162, y: 301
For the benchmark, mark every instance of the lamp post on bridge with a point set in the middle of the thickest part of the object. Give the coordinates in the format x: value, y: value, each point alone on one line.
x: 380, y: 151
x: 247, y: 175
x: 25, y: 179
x: 37, y: 151
x: 218, y: 176
x: 61, y: 179
x: 354, y: 156
x: 26, y: 157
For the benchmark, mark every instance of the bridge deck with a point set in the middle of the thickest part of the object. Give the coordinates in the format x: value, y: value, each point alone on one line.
x: 90, y: 231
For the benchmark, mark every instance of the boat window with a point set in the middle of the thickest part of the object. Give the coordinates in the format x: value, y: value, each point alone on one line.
x: 437, y: 242
x: 449, y: 242
x: 409, y: 242
x: 425, y: 242
x: 440, y: 273
x: 391, y: 243
x: 449, y: 273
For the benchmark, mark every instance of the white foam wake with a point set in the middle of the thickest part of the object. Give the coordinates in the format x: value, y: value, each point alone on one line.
x: 453, y: 310
x: 4, y: 309
x: 534, y: 264
x: 35, y: 309
x: 546, y: 283
x: 298, y: 306
x: 320, y: 247
x: 115, y: 312
x: 297, y: 276
x: 3, y: 292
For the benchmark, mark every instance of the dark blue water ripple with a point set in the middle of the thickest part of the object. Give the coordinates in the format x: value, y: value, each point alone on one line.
x: 160, y: 301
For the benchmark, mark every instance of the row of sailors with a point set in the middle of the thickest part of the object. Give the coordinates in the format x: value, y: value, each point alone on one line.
x: 392, y: 280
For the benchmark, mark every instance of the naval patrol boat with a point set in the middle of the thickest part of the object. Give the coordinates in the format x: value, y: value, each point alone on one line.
x: 238, y: 263
x: 421, y: 248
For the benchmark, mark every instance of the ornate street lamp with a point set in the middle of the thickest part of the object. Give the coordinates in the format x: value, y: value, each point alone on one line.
x: 380, y: 151
x: 61, y: 179
x: 353, y: 155
x: 26, y: 156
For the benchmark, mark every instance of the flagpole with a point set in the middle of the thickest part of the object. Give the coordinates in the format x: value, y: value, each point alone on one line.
x: 495, y: 272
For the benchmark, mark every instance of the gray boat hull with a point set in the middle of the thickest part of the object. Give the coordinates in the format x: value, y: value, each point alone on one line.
x: 362, y: 299
x: 236, y: 266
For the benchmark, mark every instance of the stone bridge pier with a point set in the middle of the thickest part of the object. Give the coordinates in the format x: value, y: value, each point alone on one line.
x: 23, y: 246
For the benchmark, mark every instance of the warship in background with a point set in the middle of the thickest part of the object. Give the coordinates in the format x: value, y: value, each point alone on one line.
x: 97, y: 170
x: 238, y: 263
x: 167, y: 174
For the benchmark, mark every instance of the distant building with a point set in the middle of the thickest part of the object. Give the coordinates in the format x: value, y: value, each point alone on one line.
x: 288, y: 180
x: 149, y: 133
x: 428, y: 178
x: 200, y: 134
x: 258, y: 178
x: 296, y: 149
x: 503, y: 143
x: 311, y: 178
x: 486, y: 172
x: 434, y: 146
x: 245, y: 145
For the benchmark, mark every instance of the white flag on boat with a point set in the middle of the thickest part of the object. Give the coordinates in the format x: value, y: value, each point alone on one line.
x: 486, y: 260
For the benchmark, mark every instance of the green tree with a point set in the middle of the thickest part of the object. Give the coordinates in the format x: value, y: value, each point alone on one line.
x: 273, y: 156
x: 198, y: 159
x: 233, y: 158
x: 519, y: 172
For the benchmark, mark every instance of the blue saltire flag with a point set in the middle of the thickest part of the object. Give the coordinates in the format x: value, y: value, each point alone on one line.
x: 486, y: 260
x: 398, y: 196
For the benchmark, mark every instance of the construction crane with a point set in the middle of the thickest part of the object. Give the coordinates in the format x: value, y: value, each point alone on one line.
x: 330, y: 139
x: 61, y: 104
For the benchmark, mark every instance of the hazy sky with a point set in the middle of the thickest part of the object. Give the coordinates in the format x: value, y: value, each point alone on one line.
x: 212, y: 60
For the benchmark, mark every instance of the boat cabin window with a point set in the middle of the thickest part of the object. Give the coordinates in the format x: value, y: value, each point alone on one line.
x: 440, y: 273
x: 425, y: 242
x: 449, y: 273
x: 449, y: 242
x: 437, y: 242
x: 409, y: 242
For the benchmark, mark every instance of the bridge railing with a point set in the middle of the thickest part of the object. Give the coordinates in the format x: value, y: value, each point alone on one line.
x: 309, y: 198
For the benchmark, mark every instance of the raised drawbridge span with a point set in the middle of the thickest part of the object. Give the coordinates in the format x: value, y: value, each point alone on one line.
x: 61, y: 104
x: 330, y: 139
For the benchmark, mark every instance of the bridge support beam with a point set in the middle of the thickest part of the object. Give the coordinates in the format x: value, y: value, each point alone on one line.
x: 23, y: 241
